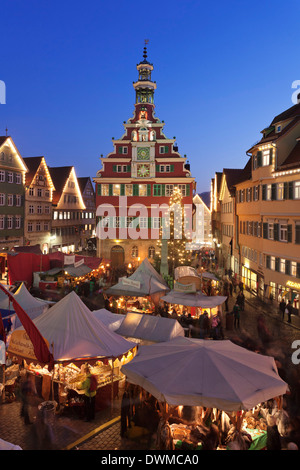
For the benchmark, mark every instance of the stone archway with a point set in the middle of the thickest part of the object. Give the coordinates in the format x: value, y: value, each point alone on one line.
x: 117, y: 256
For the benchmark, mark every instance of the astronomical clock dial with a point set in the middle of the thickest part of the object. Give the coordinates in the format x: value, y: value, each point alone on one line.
x: 143, y: 153
x: 143, y: 171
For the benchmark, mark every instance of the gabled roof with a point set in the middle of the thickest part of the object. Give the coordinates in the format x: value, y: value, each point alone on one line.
x: 59, y: 176
x: 205, y: 198
x: 32, y: 164
x: 292, y: 160
x: 83, y: 181
x: 3, y: 138
x: 290, y: 113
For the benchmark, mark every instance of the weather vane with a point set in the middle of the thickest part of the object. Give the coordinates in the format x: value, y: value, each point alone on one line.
x: 146, y: 41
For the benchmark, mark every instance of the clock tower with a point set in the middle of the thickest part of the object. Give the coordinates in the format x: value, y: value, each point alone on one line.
x: 145, y: 167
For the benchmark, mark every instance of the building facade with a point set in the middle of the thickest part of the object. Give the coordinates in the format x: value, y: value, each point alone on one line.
x: 136, y: 179
x: 202, y: 233
x: 39, y: 190
x: 68, y: 206
x: 12, y: 192
x: 88, y: 229
x: 268, y: 208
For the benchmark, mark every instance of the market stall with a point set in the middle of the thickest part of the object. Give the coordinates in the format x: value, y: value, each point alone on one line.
x: 216, y: 381
x: 199, y: 301
x: 75, y: 337
x: 148, y: 329
x: 112, y: 320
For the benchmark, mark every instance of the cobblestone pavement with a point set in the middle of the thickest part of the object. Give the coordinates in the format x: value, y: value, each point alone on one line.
x: 70, y: 432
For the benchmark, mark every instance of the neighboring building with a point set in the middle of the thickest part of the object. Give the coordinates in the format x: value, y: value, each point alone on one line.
x: 38, y: 203
x: 215, y: 208
x: 144, y: 167
x: 268, y: 208
x: 67, y: 208
x: 230, y: 254
x: 202, y: 235
x: 12, y: 189
x: 88, y: 233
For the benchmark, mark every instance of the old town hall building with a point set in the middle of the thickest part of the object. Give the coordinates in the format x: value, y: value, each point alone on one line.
x: 143, y: 169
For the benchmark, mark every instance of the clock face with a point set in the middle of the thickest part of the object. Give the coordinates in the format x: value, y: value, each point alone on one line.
x: 143, y: 171
x: 143, y: 153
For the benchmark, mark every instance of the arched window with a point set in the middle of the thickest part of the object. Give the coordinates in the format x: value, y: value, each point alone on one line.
x: 151, y: 252
x: 134, y: 252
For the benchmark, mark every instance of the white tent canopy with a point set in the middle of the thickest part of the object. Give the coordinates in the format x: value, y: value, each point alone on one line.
x: 187, y: 271
x: 197, y: 299
x: 112, y: 320
x: 32, y: 306
x: 76, y: 333
x: 150, y: 328
x: 146, y: 281
x: 214, y: 374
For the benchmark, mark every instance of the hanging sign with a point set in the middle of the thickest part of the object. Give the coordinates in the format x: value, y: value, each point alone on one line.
x: 20, y: 345
x: 79, y: 263
x: 130, y: 282
x: 69, y: 259
x: 294, y: 285
x: 186, y: 288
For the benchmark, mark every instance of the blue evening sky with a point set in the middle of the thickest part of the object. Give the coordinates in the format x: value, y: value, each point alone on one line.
x: 223, y: 71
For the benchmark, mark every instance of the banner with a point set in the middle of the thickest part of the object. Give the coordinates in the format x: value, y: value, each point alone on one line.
x: 130, y: 282
x: 69, y: 259
x: 79, y: 263
x: 186, y: 288
x: 20, y: 345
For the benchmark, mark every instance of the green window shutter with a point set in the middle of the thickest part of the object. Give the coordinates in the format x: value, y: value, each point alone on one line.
x: 268, y: 262
x: 99, y: 189
x: 285, y: 190
x: 287, y: 267
x: 258, y: 158
x: 120, y: 149
x: 264, y: 192
x: 114, y: 168
x: 135, y: 190
x: 122, y: 192
x: 289, y: 233
x: 110, y: 190
x: 172, y: 168
x: 149, y: 222
x: 274, y: 192
x: 291, y: 190
x: 163, y: 186
x: 265, y: 230
x: 166, y: 149
x: 128, y: 169
x: 276, y: 231
x: 148, y: 189
x: 187, y: 190
x: 157, y: 168
x: 271, y: 157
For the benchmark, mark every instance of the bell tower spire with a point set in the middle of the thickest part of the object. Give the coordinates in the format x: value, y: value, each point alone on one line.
x: 144, y: 86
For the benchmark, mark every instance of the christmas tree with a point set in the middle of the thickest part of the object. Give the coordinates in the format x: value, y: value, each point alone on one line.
x: 174, y: 227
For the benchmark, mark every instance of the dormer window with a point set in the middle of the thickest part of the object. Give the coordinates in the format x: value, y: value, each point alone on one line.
x: 278, y: 128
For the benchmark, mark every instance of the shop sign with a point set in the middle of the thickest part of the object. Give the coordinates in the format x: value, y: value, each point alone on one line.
x: 69, y: 259
x: 293, y: 285
x: 79, y: 263
x: 187, y: 288
x: 21, y: 345
x: 130, y: 282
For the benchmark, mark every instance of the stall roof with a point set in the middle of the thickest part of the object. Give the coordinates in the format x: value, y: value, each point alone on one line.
x: 197, y: 299
x: 183, y: 271
x: 77, y: 271
x: 144, y: 281
x: 110, y: 319
x: 76, y: 334
x: 214, y: 374
x: 150, y: 328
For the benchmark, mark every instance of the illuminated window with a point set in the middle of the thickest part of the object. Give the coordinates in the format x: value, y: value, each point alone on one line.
x: 151, y: 252
x: 134, y: 252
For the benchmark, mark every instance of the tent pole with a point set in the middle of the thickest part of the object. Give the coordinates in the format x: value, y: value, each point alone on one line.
x: 112, y: 385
